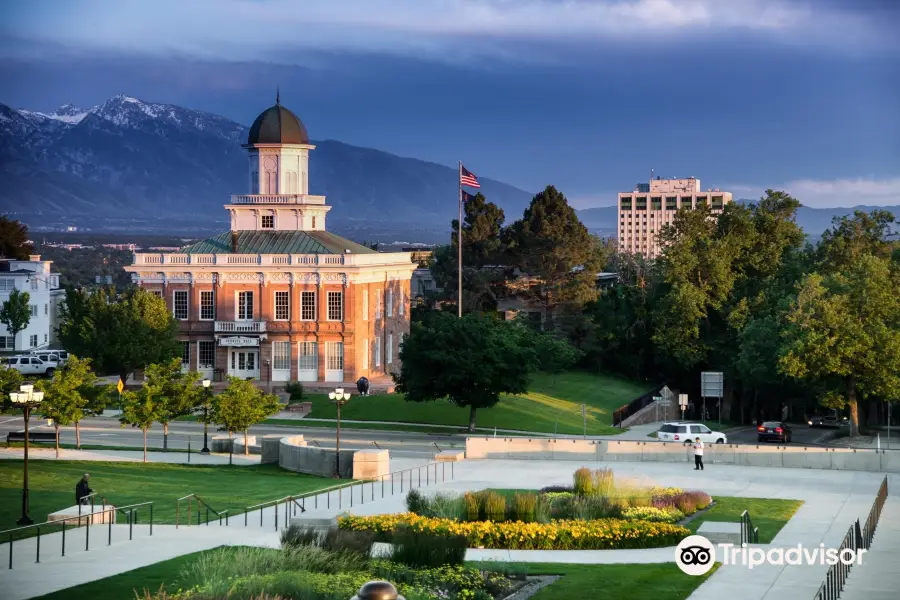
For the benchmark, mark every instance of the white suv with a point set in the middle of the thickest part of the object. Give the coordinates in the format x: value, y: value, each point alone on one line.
x: 680, y: 431
x: 31, y: 365
x: 57, y: 356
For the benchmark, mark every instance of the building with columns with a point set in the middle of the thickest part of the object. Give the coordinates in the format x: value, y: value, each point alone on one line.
x: 278, y: 298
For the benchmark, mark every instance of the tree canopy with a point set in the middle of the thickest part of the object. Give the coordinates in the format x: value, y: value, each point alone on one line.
x: 16, y: 313
x: 120, y: 332
x: 469, y: 361
x: 67, y: 394
x: 14, y: 239
x: 242, y: 405
x: 175, y: 390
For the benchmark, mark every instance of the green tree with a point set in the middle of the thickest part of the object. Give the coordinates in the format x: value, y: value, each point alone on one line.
x: 843, y: 332
x: 550, y: 245
x: 853, y: 237
x: 176, y: 391
x: 16, y: 313
x: 119, y: 332
x: 10, y: 380
x: 240, y: 406
x: 140, y: 408
x: 64, y: 395
x: 468, y: 361
x: 555, y: 355
x: 14, y: 239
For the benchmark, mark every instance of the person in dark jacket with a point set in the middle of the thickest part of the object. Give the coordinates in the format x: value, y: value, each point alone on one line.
x: 82, y: 489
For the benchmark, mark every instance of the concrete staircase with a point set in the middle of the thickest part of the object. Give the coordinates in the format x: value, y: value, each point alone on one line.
x: 878, y: 577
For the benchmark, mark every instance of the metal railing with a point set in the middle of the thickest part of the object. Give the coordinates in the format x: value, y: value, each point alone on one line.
x: 195, y: 500
x: 749, y: 533
x: 623, y: 412
x: 353, y: 492
x: 856, y: 539
x: 130, y: 511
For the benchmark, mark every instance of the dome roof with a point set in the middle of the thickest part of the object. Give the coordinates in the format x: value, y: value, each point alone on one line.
x: 277, y: 125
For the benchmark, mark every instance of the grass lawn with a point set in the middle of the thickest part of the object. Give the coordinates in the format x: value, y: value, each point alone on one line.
x: 768, y: 514
x: 552, y: 404
x: 52, y: 485
x: 623, y: 582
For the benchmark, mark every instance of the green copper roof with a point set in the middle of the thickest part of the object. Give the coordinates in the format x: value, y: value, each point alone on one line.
x: 277, y: 242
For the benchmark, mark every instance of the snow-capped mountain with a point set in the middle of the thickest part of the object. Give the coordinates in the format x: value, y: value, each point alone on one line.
x: 132, y: 157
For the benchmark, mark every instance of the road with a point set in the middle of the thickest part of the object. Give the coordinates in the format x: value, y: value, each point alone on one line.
x: 108, y: 432
x: 800, y: 435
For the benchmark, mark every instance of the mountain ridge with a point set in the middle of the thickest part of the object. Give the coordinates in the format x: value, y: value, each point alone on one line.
x: 128, y: 156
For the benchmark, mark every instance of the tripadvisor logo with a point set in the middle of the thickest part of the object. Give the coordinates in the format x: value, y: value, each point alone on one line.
x: 696, y: 555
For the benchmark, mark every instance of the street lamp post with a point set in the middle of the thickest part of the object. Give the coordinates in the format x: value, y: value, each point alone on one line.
x: 27, y: 398
x: 339, y: 398
x: 206, y: 383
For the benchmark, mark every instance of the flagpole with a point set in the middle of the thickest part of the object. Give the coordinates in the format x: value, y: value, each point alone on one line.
x: 459, y: 246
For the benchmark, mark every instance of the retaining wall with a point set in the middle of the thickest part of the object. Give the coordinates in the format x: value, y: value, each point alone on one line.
x: 761, y: 455
x: 295, y: 455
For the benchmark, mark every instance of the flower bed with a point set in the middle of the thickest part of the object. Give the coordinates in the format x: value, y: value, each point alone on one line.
x: 598, y: 534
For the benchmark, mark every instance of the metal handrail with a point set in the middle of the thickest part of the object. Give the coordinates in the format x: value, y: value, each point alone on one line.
x: 749, y: 533
x: 292, y: 502
x: 130, y: 512
x: 191, y: 497
x: 856, y: 539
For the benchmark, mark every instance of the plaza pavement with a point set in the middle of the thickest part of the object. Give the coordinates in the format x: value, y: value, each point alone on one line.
x: 832, y: 501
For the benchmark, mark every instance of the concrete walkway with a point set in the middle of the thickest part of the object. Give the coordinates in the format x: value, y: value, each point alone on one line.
x: 833, y: 499
x: 878, y: 577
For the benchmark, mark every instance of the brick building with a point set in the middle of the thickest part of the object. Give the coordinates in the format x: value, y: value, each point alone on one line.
x: 278, y: 298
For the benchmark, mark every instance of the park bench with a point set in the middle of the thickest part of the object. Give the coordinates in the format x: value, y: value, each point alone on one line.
x: 33, y: 436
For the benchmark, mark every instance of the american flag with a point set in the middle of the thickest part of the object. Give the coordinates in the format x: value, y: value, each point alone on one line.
x: 467, y: 196
x: 467, y: 178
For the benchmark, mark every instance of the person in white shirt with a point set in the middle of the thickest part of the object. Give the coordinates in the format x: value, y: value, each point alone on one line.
x: 698, y: 455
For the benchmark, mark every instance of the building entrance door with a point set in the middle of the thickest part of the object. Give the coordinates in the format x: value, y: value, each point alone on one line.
x: 244, y: 364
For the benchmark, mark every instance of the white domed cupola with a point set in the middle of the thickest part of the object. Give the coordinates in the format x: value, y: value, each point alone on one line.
x: 278, y: 151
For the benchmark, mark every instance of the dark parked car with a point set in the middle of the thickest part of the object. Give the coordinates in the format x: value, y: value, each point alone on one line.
x: 774, y: 431
x: 826, y: 421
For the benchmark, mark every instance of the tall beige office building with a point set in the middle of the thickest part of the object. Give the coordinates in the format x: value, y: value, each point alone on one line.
x: 643, y: 212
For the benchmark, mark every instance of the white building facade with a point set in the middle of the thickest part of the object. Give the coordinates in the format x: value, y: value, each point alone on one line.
x: 34, y: 277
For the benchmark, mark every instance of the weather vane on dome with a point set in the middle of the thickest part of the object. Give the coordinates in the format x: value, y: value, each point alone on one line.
x: 278, y: 95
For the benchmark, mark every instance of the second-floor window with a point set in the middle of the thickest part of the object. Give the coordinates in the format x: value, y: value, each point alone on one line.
x: 378, y: 305
x: 308, y: 306
x: 335, y: 306
x: 245, y: 306
x: 268, y: 222
x: 207, y: 306
x: 389, y: 304
x: 365, y: 306
x: 33, y: 309
x: 282, y: 309
x: 180, y: 304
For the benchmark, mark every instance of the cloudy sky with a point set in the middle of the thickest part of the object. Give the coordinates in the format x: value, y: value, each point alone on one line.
x: 588, y: 95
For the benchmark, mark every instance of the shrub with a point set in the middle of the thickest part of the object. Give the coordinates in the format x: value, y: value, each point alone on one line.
x: 350, y: 542
x: 446, y: 506
x: 600, y: 534
x: 589, y: 508
x: 553, y: 489
x: 542, y: 510
x: 419, y: 548
x: 473, y: 506
x: 665, y: 492
x: 524, y: 507
x: 553, y: 496
x: 295, y: 536
x: 295, y: 389
x: 584, y: 482
x: 650, y: 513
x: 494, y: 507
x: 603, y: 482
x: 416, y: 502
x: 562, y: 507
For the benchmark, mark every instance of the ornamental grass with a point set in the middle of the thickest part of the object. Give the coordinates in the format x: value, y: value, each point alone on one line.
x: 599, y: 534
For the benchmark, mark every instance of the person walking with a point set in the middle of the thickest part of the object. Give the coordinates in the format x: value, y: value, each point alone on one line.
x: 698, y: 455
x: 82, y: 489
